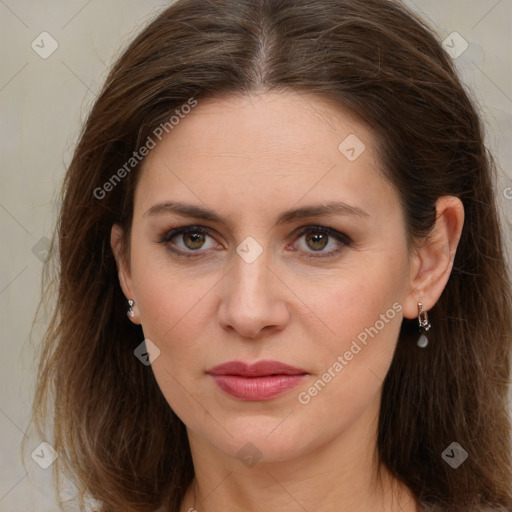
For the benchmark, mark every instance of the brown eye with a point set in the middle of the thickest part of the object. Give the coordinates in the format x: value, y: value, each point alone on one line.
x: 317, y: 238
x: 317, y: 241
x: 188, y: 241
x: 193, y: 240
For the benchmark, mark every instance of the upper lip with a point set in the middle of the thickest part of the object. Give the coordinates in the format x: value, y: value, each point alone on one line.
x: 259, y: 369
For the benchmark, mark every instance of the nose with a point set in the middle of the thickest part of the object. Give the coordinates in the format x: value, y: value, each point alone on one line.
x: 253, y: 301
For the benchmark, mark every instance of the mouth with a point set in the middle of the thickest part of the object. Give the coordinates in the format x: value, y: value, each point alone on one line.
x: 260, y: 381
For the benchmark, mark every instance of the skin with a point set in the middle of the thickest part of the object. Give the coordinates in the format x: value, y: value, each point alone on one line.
x: 249, y: 158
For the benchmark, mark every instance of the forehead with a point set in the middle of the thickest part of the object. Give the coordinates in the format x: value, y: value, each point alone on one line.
x: 272, y: 124
x: 261, y: 150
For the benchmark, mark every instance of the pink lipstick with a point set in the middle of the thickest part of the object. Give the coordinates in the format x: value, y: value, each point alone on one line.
x: 260, y: 381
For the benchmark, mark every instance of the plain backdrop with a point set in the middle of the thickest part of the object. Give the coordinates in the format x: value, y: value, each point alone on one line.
x: 43, y: 102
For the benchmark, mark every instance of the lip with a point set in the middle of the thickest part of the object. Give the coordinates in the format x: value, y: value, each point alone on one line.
x: 259, y: 369
x: 259, y: 381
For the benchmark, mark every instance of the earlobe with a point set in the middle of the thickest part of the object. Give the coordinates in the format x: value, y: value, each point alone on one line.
x: 433, y: 260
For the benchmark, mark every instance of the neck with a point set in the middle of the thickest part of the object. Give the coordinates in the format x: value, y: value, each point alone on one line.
x: 340, y: 475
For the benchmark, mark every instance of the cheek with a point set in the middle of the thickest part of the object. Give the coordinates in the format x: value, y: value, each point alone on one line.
x: 363, y: 311
x: 365, y: 317
x: 166, y: 301
x: 355, y: 299
x: 171, y: 310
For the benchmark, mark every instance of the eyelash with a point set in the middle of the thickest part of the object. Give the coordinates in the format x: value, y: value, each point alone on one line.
x: 169, y: 235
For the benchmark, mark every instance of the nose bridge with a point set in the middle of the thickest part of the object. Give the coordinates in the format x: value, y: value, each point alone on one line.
x: 251, y: 301
x: 251, y: 259
x: 250, y: 275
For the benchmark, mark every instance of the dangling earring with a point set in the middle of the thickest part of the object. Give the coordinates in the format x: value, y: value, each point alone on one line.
x: 130, y: 311
x: 424, y: 325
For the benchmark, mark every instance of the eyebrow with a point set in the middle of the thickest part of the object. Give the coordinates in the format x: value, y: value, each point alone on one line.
x: 288, y: 216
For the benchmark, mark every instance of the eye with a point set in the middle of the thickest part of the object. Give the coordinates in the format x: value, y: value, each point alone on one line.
x: 188, y: 240
x: 317, y: 238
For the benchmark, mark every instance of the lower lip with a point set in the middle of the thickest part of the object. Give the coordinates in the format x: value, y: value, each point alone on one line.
x: 257, y: 388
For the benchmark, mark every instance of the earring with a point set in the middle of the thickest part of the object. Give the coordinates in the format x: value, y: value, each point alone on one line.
x: 424, y: 325
x: 130, y: 311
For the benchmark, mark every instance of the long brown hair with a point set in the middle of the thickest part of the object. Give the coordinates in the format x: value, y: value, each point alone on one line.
x: 117, y: 438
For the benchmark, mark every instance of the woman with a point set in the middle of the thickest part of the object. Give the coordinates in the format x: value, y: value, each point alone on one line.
x: 293, y: 203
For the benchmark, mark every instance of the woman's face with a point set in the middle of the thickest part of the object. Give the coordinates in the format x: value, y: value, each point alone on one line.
x: 320, y: 291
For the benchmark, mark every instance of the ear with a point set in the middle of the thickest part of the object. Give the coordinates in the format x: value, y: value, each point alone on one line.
x: 123, y: 266
x: 432, y: 262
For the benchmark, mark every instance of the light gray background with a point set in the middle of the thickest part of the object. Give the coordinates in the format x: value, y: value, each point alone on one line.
x: 43, y: 103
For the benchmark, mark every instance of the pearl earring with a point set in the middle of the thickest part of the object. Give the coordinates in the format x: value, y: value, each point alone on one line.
x: 130, y: 311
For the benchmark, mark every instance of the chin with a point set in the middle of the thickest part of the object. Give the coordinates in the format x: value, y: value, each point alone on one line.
x: 260, y: 439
